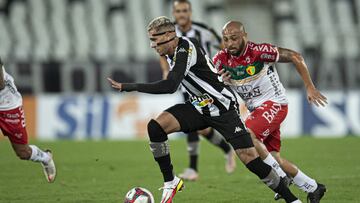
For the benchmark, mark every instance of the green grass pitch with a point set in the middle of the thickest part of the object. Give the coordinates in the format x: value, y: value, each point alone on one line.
x: 103, y: 171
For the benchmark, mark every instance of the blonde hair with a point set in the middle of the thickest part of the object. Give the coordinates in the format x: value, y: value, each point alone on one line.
x: 161, y: 24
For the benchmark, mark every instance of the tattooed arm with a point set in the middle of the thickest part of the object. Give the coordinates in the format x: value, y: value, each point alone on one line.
x: 290, y: 56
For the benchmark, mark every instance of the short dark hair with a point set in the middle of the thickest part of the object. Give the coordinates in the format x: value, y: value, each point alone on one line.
x: 182, y: 1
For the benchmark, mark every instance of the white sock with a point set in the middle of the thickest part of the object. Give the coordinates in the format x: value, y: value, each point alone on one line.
x: 37, y: 155
x: 304, y: 182
x: 271, y: 161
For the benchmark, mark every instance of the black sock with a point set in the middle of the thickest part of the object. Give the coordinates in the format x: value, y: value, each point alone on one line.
x: 193, y: 137
x: 166, y: 167
x: 160, y: 148
x: 285, y: 192
x: 270, y: 178
x: 218, y: 141
x: 258, y: 167
x: 193, y: 148
x: 225, y: 146
x: 193, y: 162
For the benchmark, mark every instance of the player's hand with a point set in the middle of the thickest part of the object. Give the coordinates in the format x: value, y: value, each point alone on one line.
x: 115, y: 84
x: 315, y: 97
x: 225, y: 75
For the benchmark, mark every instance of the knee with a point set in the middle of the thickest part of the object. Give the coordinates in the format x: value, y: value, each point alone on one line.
x: 246, y: 155
x: 156, y: 132
x: 23, y: 154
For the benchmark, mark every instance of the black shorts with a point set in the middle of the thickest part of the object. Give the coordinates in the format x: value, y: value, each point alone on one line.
x: 228, y: 124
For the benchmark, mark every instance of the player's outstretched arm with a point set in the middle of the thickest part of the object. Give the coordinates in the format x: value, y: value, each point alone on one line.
x: 290, y: 56
x: 167, y: 86
x: 2, y: 81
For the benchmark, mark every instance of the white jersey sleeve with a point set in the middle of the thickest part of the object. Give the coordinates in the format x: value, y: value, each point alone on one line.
x: 10, y: 97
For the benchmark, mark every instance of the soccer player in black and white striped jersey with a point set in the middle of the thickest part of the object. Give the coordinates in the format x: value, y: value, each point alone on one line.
x: 211, y: 104
x: 211, y: 42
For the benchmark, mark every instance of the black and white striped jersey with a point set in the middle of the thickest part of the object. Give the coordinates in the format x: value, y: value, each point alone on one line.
x: 207, y: 37
x: 207, y: 93
x: 194, y: 70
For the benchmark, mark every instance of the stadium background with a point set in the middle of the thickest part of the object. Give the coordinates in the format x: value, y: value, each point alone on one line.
x: 61, y: 51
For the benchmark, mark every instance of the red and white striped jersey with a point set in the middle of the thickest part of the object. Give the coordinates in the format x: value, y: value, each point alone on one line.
x: 253, y: 74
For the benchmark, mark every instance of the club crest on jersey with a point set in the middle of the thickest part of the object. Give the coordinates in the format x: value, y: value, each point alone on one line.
x: 201, y: 101
x: 250, y: 70
x: 190, y: 50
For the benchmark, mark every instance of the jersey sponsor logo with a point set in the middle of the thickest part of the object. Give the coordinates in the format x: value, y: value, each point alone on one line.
x: 270, y: 70
x: 201, y: 101
x: 248, y: 92
x: 270, y: 114
x: 265, y: 48
x: 244, y: 71
x: 250, y: 70
x: 12, y: 121
x: 268, y: 56
x: 10, y: 115
x: 275, y: 83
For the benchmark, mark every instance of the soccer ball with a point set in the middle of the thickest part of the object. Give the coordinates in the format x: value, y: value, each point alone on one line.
x: 139, y: 195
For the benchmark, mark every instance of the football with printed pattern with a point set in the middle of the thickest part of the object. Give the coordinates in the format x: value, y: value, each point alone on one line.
x: 139, y: 195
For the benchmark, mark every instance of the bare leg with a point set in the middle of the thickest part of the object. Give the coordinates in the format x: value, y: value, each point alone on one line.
x: 30, y: 152
x: 301, y: 180
x: 259, y: 146
x: 33, y: 153
x: 219, y: 141
x: 286, y: 165
x: 250, y: 158
x: 168, y: 122
x: 158, y: 130
x: 266, y: 156
x: 23, y: 151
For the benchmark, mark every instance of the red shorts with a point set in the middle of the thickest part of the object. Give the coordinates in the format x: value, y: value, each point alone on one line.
x: 265, y: 122
x: 12, y: 124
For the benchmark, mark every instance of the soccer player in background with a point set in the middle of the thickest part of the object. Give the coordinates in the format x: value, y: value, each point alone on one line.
x: 211, y: 104
x: 250, y: 69
x: 12, y: 125
x: 210, y: 41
